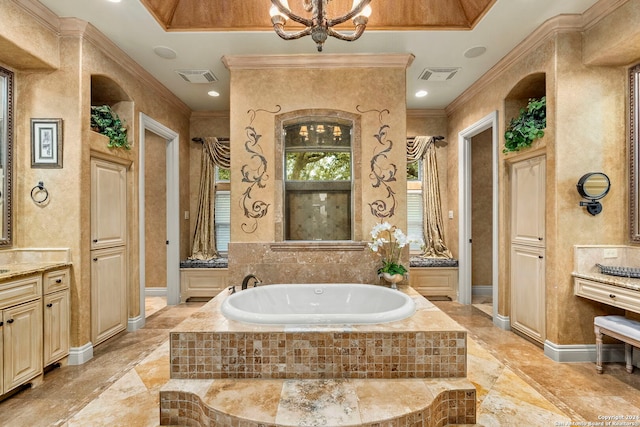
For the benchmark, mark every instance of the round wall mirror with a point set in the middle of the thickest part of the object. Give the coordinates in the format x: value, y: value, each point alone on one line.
x: 593, y: 186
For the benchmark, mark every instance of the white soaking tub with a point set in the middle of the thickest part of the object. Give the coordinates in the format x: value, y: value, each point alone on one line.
x: 304, y: 304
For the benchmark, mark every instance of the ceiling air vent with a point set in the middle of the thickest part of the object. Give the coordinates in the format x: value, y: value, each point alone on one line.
x: 439, y: 74
x: 197, y: 76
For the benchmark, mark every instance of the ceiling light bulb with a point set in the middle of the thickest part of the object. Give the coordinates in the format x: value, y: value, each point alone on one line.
x: 365, y: 12
x: 273, y: 11
x: 421, y: 93
x: 213, y: 93
x: 115, y: 1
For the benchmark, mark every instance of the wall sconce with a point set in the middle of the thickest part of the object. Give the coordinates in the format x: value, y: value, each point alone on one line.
x: 593, y: 186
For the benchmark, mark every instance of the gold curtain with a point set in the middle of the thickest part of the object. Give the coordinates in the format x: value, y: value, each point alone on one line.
x: 424, y: 147
x: 214, y: 154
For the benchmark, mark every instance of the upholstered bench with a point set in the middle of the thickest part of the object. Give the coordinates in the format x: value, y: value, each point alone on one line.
x: 621, y: 328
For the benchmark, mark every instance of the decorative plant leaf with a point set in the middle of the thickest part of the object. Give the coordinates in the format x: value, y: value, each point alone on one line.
x: 527, y: 127
x: 105, y: 121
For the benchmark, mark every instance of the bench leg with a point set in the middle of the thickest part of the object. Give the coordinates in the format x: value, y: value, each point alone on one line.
x: 628, y: 357
x: 598, y: 350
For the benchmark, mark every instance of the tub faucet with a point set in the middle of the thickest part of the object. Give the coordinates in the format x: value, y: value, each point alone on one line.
x: 245, y: 281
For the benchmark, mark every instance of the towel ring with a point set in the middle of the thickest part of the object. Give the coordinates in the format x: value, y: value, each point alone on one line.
x: 39, y: 189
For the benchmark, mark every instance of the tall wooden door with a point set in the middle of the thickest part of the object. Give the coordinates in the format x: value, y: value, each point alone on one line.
x: 109, y: 249
x: 527, y: 267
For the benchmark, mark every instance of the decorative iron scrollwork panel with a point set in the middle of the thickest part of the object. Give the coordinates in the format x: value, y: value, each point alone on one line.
x: 254, y: 174
x: 382, y: 170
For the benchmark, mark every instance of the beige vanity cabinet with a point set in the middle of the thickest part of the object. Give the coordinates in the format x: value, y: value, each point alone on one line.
x: 57, y: 316
x: 20, y: 331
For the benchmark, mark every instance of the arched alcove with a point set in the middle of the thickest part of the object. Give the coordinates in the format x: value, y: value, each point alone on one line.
x: 105, y: 91
x: 531, y: 86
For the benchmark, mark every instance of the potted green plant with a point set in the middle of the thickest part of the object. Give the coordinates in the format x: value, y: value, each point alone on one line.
x: 527, y: 127
x: 105, y: 121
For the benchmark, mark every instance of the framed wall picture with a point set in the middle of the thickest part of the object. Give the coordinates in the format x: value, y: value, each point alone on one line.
x: 46, y: 143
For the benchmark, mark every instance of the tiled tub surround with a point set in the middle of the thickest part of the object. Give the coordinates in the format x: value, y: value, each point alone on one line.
x: 426, y: 345
x: 403, y: 372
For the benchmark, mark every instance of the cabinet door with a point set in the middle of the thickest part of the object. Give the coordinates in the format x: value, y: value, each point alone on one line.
x: 528, y: 202
x: 56, y: 326
x: 527, y: 291
x: 108, y: 204
x: 108, y: 293
x: 22, y: 343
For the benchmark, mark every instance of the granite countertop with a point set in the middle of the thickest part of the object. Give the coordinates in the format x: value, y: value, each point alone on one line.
x: 200, y: 263
x: 622, y: 282
x: 13, y: 271
x: 432, y: 262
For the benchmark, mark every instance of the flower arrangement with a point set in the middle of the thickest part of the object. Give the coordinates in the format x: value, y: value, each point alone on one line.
x: 388, y: 241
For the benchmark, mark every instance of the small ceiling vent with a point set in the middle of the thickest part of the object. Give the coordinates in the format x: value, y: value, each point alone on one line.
x: 438, y: 74
x: 197, y: 76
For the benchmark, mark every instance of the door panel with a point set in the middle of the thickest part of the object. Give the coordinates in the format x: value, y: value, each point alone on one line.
x: 108, y: 204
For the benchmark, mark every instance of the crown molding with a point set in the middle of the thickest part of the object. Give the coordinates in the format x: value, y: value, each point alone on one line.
x: 74, y: 27
x: 257, y: 62
x: 40, y: 13
x: 600, y: 10
x: 427, y: 113
x: 550, y: 28
x: 210, y: 114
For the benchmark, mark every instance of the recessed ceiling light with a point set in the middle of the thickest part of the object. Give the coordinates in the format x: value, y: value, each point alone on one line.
x: 165, y: 52
x: 115, y: 1
x: 475, y: 51
x: 213, y: 93
x: 421, y: 93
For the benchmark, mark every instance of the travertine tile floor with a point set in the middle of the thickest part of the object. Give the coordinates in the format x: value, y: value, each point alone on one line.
x: 516, y: 384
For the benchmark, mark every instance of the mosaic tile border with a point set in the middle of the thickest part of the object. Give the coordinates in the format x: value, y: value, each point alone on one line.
x: 311, y: 355
x: 448, y: 407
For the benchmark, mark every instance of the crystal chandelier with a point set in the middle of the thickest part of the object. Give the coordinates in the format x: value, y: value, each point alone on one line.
x: 319, y: 26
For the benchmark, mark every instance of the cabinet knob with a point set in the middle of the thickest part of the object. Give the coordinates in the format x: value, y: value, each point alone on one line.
x: 540, y: 238
x: 50, y: 305
x: 95, y: 240
x: 10, y: 321
x: 95, y: 259
x: 58, y: 280
x: 1, y: 323
x: 612, y: 296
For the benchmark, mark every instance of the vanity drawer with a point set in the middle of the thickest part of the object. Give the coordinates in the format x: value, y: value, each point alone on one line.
x: 54, y: 281
x: 19, y: 291
x: 608, y: 294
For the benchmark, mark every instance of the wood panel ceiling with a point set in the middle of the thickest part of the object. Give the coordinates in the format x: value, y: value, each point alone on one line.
x: 252, y: 15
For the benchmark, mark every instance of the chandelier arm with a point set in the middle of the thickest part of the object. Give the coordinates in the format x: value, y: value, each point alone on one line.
x: 299, y: 19
x: 344, y: 18
x: 278, y: 28
x: 347, y: 37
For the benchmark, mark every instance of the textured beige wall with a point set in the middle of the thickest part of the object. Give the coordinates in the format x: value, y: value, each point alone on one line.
x: 481, y: 208
x: 65, y: 92
x: 259, y: 96
x: 155, y: 202
x: 586, y: 116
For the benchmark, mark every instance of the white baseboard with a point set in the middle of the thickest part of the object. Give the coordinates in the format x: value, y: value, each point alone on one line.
x: 155, y: 292
x: 483, y: 290
x: 502, y: 322
x: 80, y: 355
x: 135, y: 323
x: 583, y: 352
